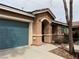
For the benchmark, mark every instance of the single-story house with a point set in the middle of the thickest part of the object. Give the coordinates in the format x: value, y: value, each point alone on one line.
x: 22, y: 28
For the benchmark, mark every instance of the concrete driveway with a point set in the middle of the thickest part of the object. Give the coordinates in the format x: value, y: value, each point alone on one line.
x: 33, y: 52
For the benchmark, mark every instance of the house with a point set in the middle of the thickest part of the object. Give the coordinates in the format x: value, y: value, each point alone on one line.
x: 22, y: 28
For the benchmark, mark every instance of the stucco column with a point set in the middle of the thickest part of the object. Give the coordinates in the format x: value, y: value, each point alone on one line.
x: 37, y: 33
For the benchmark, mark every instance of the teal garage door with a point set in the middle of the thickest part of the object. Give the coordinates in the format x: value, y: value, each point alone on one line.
x: 13, y: 34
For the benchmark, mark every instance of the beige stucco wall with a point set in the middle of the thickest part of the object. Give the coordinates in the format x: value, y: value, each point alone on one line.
x: 4, y: 12
x: 37, y: 28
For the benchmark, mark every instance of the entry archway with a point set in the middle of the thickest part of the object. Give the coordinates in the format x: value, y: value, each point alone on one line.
x: 45, y: 31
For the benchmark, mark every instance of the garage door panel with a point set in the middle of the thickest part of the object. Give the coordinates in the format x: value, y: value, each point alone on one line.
x: 13, y: 34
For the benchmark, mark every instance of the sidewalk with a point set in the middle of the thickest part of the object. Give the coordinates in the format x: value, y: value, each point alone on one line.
x: 33, y: 52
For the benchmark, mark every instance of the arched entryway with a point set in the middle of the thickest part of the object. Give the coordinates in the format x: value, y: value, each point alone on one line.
x: 45, y: 30
x: 42, y: 31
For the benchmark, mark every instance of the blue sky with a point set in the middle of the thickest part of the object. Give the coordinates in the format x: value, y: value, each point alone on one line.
x: 56, y: 6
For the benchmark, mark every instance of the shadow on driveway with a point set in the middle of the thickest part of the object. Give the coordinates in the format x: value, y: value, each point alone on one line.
x: 12, y: 52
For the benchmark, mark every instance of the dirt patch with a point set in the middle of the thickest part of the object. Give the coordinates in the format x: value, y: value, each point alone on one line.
x: 63, y: 53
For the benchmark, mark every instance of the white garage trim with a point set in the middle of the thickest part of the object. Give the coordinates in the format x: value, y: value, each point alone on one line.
x: 30, y: 33
x: 22, y: 20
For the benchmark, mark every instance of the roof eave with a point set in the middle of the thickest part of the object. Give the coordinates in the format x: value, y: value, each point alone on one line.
x: 15, y: 10
x: 59, y: 23
x: 42, y: 11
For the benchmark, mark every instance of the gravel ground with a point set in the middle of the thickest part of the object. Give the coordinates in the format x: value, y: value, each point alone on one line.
x: 63, y: 53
